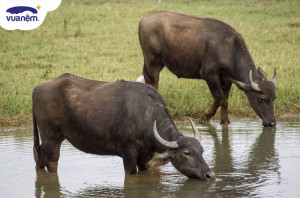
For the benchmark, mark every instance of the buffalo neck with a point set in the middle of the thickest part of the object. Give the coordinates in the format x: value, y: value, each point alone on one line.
x: 243, y: 63
x: 166, y: 128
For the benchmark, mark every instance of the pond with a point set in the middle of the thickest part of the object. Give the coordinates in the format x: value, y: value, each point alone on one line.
x: 248, y: 160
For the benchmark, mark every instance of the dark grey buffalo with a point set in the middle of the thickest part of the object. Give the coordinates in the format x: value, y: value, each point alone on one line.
x: 126, y: 119
x: 208, y: 49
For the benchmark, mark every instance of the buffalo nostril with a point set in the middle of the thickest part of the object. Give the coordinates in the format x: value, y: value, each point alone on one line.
x: 272, y: 124
x: 210, y: 175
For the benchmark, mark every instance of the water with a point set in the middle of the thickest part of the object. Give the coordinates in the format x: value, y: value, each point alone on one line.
x: 249, y: 161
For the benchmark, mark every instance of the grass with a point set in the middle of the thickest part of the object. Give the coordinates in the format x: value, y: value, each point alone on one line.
x: 98, y: 39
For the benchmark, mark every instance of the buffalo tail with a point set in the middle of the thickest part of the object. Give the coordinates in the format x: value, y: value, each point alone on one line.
x: 36, y: 139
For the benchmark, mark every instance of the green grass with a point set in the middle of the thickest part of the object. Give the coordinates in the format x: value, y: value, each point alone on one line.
x: 98, y: 40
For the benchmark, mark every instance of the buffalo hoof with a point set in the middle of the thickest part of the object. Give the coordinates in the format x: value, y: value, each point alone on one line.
x: 225, y: 122
x: 52, y: 166
x: 271, y: 124
x: 204, y: 117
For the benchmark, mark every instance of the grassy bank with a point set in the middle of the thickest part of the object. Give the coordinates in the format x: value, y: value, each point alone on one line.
x: 98, y: 39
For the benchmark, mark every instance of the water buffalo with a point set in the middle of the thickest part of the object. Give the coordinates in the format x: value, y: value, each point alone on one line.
x: 208, y: 49
x: 126, y: 119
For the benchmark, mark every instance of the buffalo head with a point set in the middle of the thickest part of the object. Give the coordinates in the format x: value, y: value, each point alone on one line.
x: 186, y: 155
x: 261, y: 94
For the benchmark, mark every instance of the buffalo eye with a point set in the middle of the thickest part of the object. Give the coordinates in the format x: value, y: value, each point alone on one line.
x: 187, y: 153
x: 262, y: 99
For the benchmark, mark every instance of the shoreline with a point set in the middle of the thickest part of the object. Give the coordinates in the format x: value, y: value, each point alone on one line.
x: 178, y: 121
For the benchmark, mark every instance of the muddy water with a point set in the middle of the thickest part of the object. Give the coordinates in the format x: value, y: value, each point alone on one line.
x: 249, y: 161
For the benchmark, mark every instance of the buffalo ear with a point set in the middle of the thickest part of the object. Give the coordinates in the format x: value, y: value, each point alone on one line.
x: 241, y: 85
x: 161, y: 159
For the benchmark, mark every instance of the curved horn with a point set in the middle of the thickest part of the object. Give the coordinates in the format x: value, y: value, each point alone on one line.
x: 162, y: 141
x: 262, y: 72
x: 252, y: 83
x: 274, y: 76
x: 195, y: 130
x: 241, y: 85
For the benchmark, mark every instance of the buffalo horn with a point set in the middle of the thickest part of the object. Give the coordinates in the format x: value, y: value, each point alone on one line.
x: 195, y: 130
x: 252, y: 83
x: 262, y: 72
x: 162, y: 141
x: 274, y: 76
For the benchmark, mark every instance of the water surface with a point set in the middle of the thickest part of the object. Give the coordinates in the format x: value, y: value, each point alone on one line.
x: 249, y: 161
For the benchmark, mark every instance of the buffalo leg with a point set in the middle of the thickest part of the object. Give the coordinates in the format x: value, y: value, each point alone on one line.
x: 49, y: 150
x: 130, y: 161
x: 152, y: 68
x: 50, y: 154
x: 224, y: 107
x: 214, y: 85
x: 143, y: 159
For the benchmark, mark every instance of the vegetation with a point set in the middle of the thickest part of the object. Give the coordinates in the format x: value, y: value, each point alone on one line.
x: 98, y: 39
